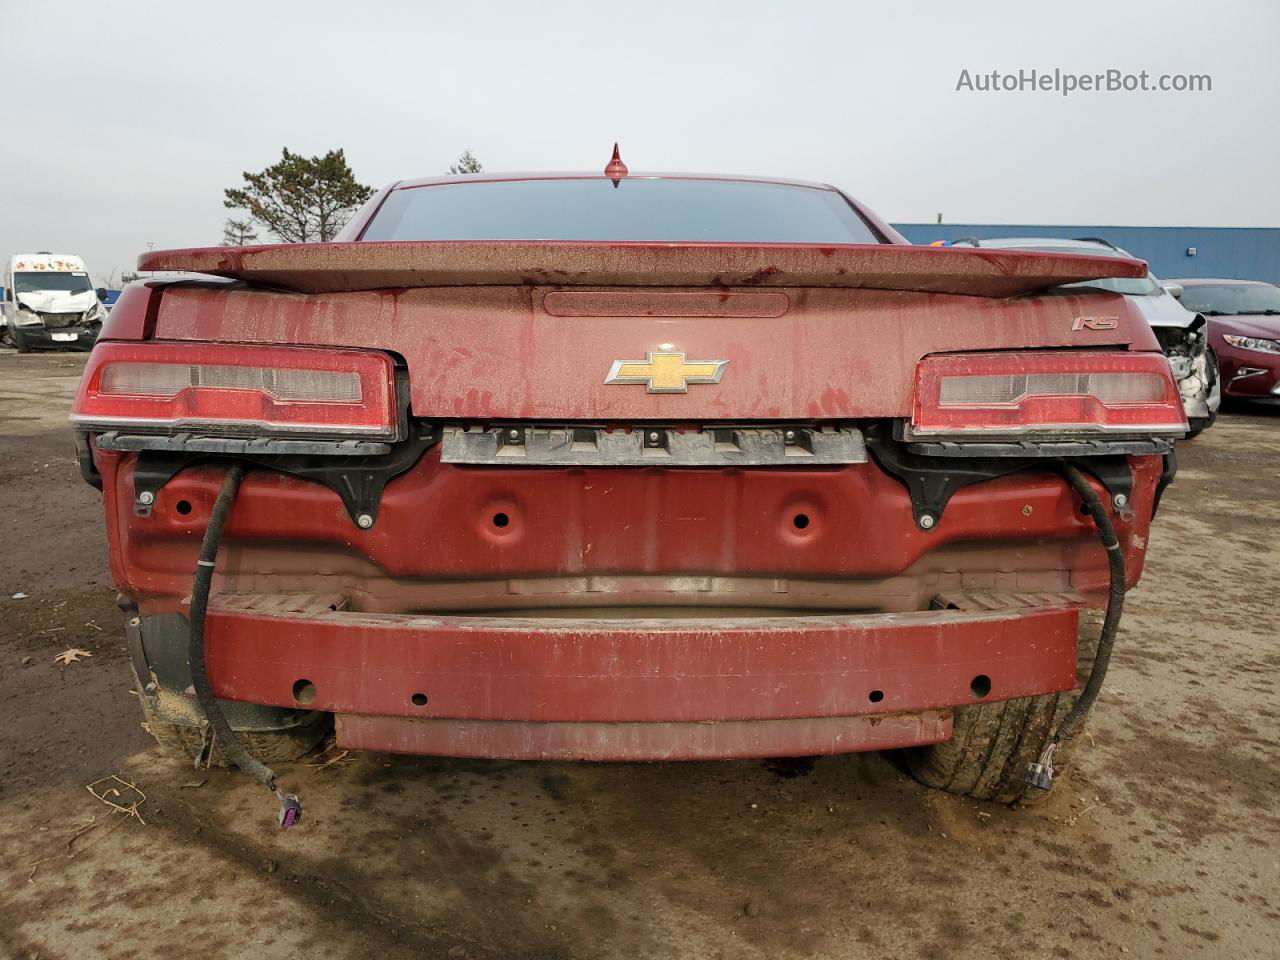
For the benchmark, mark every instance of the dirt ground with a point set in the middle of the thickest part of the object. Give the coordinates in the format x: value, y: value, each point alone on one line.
x: 1165, y: 843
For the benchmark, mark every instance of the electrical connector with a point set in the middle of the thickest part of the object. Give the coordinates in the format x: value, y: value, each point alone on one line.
x: 1041, y: 774
x: 290, y: 810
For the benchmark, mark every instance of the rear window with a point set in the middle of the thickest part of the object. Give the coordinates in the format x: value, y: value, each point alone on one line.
x: 654, y: 210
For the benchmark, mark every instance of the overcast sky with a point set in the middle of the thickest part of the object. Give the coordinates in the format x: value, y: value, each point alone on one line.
x: 124, y: 122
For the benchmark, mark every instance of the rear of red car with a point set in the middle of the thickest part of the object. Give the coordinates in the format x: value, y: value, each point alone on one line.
x: 700, y: 476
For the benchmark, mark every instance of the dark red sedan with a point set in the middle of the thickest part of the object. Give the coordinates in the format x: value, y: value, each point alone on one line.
x: 1244, y: 331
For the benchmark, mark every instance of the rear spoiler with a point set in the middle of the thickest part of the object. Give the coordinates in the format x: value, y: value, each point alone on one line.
x: 341, y: 267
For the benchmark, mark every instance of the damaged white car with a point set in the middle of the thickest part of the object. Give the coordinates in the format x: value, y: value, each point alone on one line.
x: 50, y: 303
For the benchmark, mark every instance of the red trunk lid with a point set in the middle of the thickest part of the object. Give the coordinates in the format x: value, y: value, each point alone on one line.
x: 792, y: 332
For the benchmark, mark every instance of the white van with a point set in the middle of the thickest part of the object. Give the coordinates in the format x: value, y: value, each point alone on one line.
x: 50, y: 303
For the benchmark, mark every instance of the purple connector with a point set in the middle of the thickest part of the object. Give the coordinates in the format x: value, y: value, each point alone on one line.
x: 290, y: 810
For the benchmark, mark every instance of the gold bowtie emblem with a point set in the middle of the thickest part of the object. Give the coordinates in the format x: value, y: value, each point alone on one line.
x: 666, y: 372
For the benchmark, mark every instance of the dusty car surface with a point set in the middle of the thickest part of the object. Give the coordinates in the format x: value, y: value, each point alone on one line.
x: 1183, y: 333
x: 627, y: 467
x: 1244, y: 328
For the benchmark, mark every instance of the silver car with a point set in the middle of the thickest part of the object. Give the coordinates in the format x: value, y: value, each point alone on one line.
x: 1183, y: 335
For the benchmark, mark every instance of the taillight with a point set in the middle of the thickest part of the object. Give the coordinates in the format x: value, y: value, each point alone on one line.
x: 1060, y: 394
x: 237, y: 389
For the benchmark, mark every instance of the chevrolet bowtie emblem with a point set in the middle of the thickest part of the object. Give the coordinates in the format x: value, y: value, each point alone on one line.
x: 666, y: 372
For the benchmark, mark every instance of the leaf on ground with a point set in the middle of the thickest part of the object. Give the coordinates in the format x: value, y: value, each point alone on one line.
x: 73, y: 655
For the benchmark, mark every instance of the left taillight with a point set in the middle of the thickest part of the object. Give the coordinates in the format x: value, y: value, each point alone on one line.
x: 237, y: 390
x: 1060, y: 394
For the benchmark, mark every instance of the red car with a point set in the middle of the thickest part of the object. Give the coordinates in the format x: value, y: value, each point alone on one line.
x: 1244, y: 331
x: 620, y: 467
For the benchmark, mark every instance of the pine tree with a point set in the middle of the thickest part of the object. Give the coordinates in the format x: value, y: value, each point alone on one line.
x: 301, y: 199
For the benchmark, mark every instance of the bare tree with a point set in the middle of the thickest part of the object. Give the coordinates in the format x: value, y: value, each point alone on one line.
x: 467, y: 163
x: 112, y: 280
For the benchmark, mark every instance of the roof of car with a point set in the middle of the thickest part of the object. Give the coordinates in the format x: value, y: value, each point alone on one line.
x: 1200, y: 281
x: 597, y: 175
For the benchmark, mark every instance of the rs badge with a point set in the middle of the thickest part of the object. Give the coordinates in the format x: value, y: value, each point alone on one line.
x: 666, y: 372
x: 1095, y: 323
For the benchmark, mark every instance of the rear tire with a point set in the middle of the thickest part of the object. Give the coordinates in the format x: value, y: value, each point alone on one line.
x: 992, y: 744
x: 181, y: 742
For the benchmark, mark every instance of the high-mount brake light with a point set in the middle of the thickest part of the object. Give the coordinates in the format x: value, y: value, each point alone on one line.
x: 1056, y: 395
x: 238, y: 389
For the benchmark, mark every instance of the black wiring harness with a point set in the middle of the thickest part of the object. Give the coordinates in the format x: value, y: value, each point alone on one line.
x: 1041, y: 773
x: 233, y: 748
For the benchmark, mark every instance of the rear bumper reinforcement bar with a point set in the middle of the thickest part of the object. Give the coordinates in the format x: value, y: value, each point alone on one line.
x: 607, y: 676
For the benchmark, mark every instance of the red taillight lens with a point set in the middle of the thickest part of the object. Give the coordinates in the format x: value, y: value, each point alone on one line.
x: 238, y: 389
x: 1055, y: 394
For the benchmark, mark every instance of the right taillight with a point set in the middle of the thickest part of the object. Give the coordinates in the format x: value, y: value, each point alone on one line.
x: 237, y: 389
x: 1056, y: 394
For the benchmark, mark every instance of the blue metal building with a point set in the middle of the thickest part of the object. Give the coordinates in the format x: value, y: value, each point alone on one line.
x: 1241, y: 253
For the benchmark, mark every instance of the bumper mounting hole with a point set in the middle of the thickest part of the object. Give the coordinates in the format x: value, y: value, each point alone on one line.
x: 980, y: 686
x: 304, y: 691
